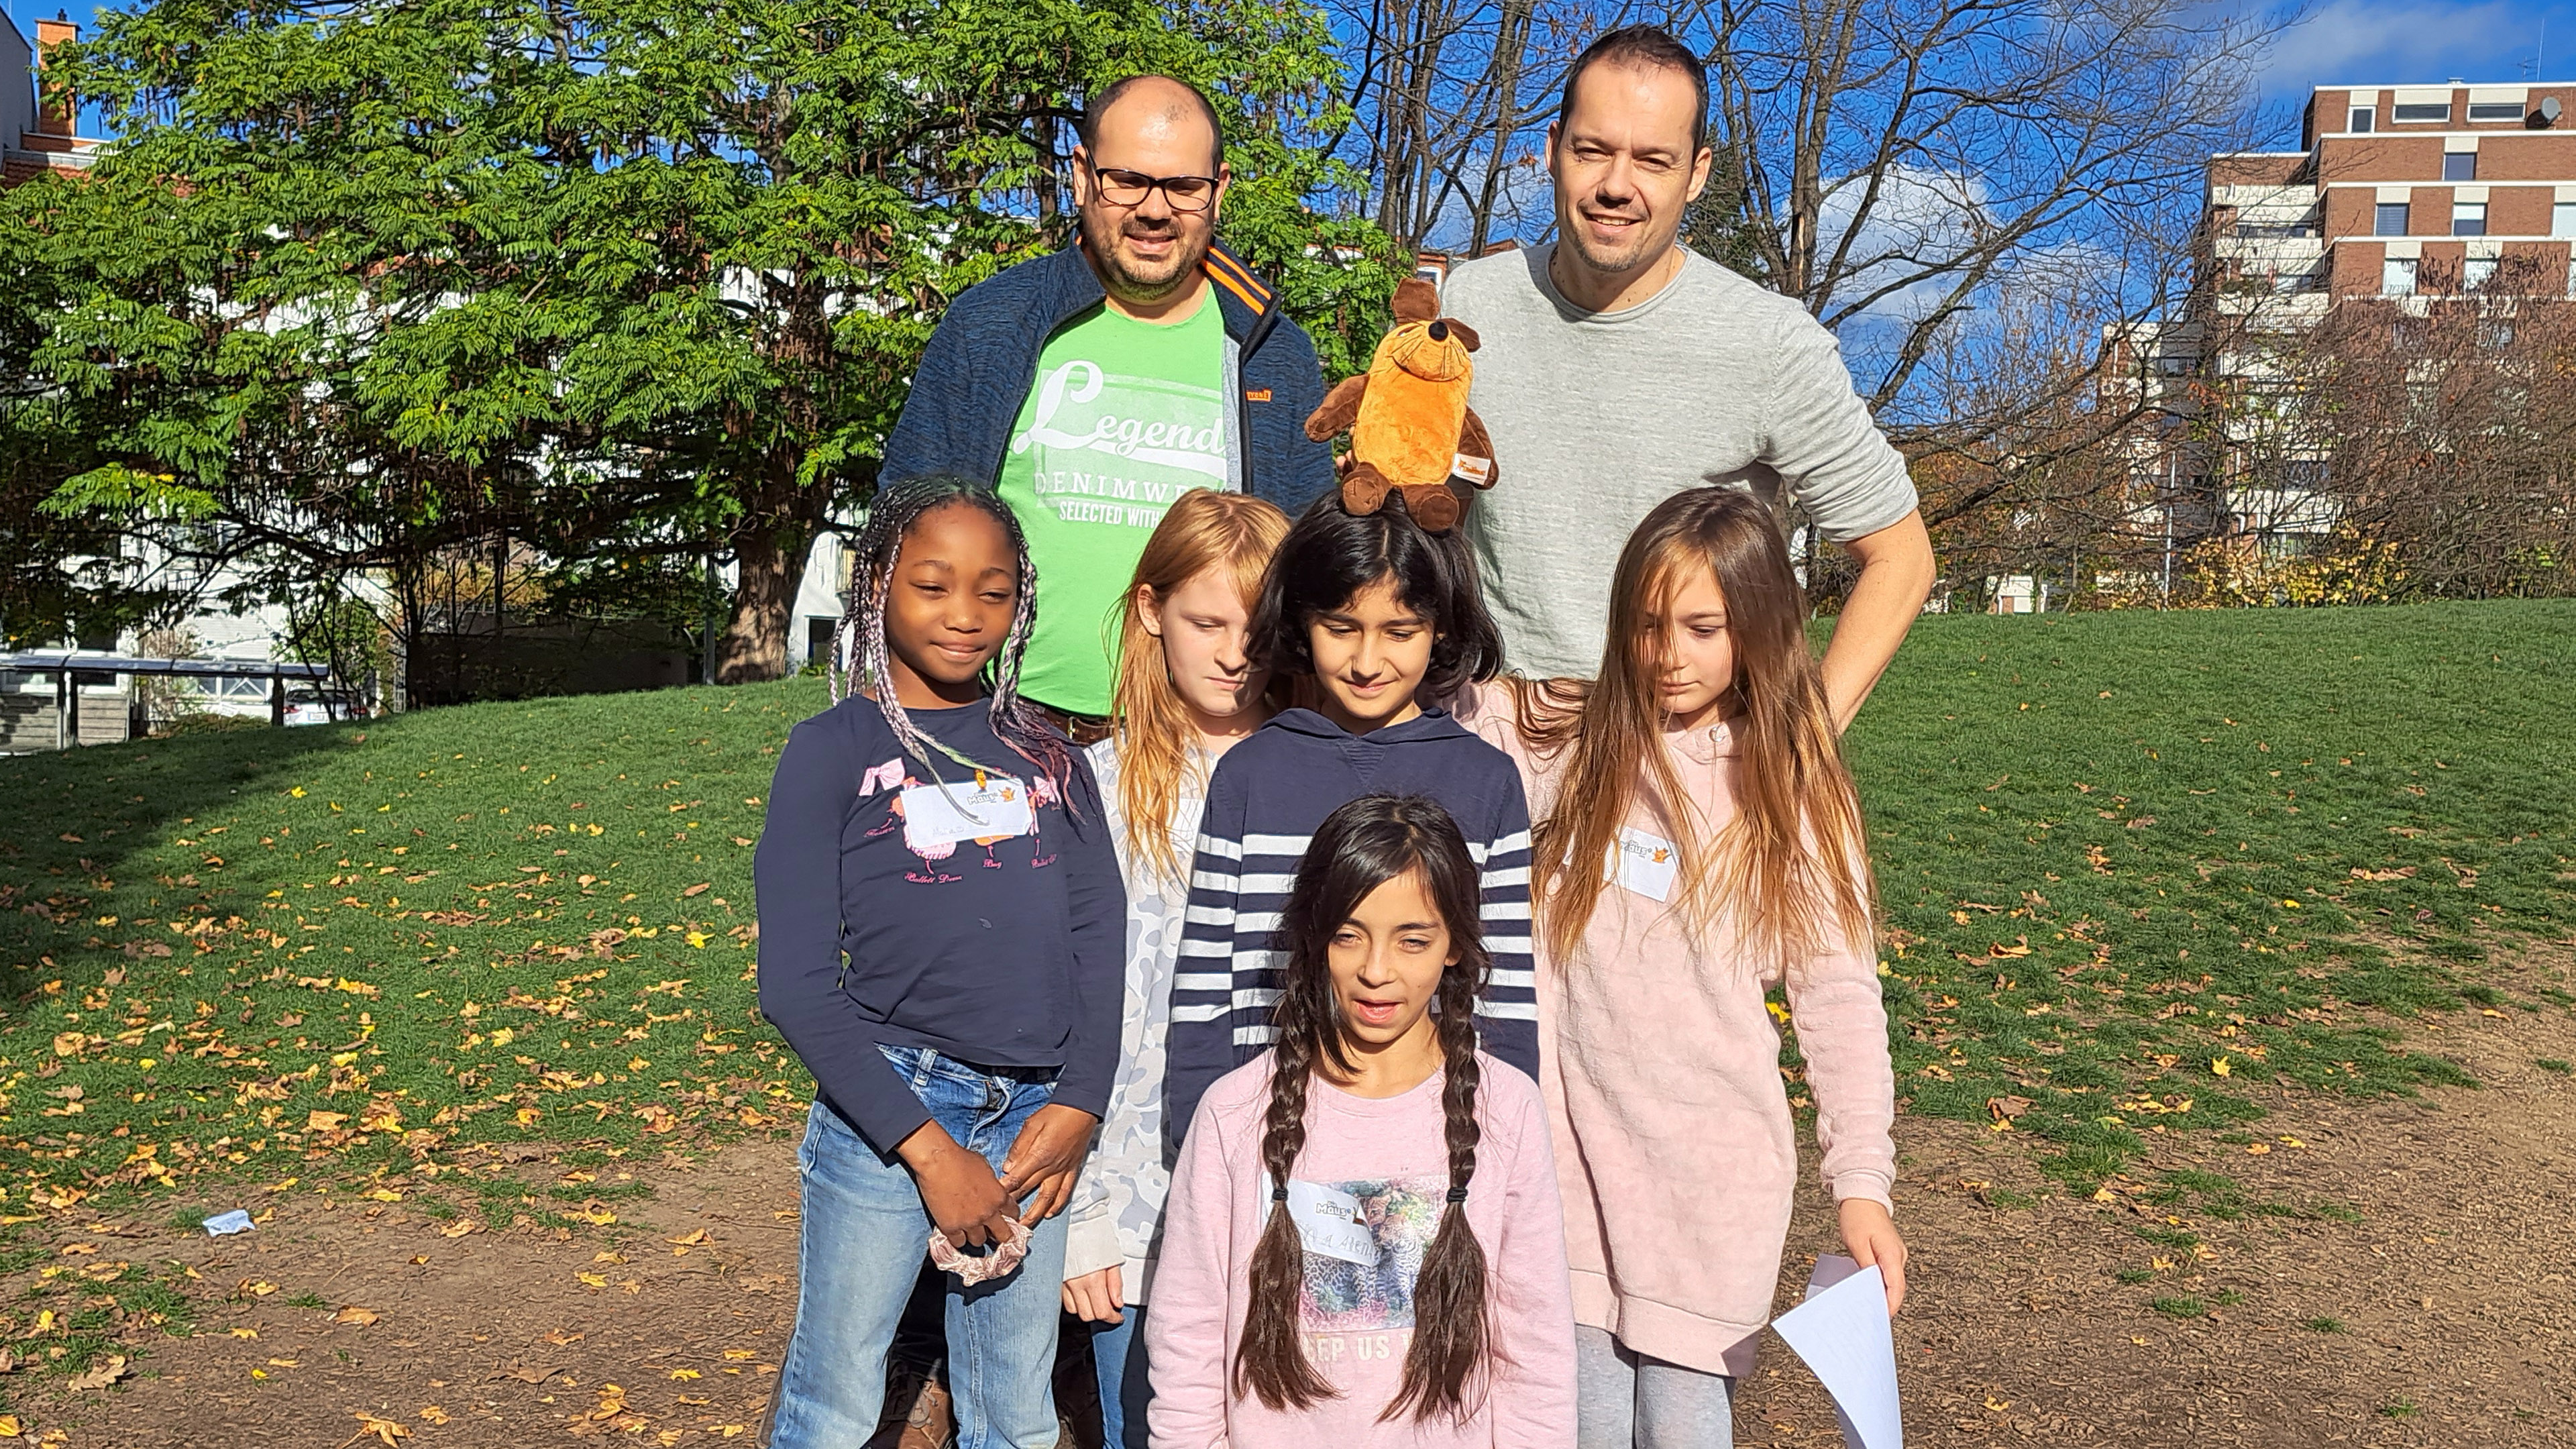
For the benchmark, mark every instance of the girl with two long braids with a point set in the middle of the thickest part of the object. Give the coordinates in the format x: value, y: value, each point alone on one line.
x: 1363, y: 1244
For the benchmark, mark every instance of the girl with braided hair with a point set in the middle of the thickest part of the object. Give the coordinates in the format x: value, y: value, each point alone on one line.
x: 942, y: 942
x: 1363, y: 1244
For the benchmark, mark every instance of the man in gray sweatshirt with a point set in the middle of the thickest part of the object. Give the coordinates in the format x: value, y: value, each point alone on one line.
x: 1618, y: 368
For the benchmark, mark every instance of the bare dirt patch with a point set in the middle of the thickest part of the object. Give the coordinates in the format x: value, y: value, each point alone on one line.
x: 2415, y: 1290
x: 2382, y: 1273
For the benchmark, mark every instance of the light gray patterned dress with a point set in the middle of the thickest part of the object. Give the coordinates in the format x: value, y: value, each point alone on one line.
x: 1117, y: 1211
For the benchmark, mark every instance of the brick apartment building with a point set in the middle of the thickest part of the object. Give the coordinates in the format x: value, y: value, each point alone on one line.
x: 2399, y: 195
x: 2401, y: 191
x: 36, y: 126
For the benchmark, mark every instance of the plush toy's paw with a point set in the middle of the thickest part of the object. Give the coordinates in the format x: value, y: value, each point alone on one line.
x: 1433, y: 505
x: 1364, y: 488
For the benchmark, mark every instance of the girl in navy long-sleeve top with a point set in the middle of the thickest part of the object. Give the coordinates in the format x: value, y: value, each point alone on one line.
x: 942, y: 940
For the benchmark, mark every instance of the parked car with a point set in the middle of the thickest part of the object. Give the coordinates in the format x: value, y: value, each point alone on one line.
x: 310, y: 706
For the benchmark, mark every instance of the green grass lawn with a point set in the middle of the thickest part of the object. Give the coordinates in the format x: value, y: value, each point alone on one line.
x: 2128, y: 862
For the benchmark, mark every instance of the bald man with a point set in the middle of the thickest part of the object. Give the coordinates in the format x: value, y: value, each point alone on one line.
x: 1094, y: 386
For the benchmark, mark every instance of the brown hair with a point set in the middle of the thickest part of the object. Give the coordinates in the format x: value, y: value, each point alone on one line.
x: 1361, y: 846
x: 1791, y: 872
x: 1203, y: 530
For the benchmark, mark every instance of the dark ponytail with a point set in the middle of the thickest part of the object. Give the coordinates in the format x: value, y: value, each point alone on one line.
x: 1360, y: 847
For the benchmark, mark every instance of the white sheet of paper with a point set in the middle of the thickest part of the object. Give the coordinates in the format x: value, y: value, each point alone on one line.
x: 1329, y: 1221
x: 1843, y: 1332
x: 963, y: 810
x: 1642, y: 863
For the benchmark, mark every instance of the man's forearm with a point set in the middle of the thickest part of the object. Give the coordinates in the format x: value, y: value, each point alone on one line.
x: 1896, y: 572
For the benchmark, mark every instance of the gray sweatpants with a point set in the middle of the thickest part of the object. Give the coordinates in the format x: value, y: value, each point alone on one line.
x: 1625, y: 1400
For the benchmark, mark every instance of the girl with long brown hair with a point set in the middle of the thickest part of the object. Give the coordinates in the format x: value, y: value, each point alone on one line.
x: 1364, y: 1244
x: 1698, y: 840
x: 1185, y: 694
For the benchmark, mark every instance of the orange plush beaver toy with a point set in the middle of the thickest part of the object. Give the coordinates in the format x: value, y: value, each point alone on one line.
x: 1411, y: 429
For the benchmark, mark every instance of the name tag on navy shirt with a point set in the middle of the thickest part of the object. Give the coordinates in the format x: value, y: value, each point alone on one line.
x: 995, y: 809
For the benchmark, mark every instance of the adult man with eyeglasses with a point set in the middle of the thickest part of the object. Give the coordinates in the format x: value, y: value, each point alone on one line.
x: 1096, y: 385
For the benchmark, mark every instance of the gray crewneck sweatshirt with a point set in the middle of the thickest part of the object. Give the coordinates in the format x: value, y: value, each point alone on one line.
x: 1599, y: 416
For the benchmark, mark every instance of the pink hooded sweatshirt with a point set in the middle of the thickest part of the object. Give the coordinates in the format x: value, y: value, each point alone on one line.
x: 1660, y: 1066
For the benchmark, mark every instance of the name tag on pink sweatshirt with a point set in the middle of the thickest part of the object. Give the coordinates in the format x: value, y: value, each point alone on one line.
x: 1642, y: 863
x: 1330, y: 1222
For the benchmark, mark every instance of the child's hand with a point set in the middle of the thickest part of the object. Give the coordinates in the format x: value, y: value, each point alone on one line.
x: 1871, y: 1236
x: 957, y: 1187
x: 1045, y: 1157
x: 1095, y: 1297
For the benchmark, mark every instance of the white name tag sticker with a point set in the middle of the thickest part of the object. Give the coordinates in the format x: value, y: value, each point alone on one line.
x: 1642, y: 863
x: 996, y: 809
x: 1329, y: 1221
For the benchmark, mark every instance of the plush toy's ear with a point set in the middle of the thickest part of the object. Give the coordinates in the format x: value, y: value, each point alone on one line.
x: 1465, y: 334
x: 1416, y: 300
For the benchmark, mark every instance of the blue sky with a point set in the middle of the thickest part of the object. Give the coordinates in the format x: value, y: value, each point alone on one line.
x: 2356, y: 42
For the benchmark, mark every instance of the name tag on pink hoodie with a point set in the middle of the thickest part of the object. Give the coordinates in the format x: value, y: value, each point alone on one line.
x: 1642, y: 863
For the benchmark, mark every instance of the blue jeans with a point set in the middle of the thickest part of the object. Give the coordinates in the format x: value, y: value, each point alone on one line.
x: 865, y: 1236
x: 1118, y: 1353
x: 1625, y: 1400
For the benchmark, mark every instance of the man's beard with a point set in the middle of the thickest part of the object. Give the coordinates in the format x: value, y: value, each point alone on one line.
x: 1627, y: 258
x: 1100, y: 236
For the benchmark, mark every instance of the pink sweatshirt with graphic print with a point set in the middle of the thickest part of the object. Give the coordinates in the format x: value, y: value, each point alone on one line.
x: 1660, y: 1067
x: 1389, y: 1154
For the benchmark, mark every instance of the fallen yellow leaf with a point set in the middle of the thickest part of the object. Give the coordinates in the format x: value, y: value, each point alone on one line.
x: 254, y: 1288
x: 10, y: 1427
x: 434, y: 1414
x: 324, y: 1121
x: 2218, y: 1066
x: 595, y: 1280
x: 685, y: 1374
x: 354, y: 1314
x: 385, y: 1431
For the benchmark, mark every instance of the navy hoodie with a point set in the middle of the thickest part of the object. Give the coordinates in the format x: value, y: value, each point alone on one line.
x: 1004, y: 955
x: 1268, y: 797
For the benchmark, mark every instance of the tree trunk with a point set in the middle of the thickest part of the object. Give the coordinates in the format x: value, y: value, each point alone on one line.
x: 754, y: 645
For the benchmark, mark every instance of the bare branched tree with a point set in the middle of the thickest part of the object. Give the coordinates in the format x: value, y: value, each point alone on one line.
x: 2434, y: 434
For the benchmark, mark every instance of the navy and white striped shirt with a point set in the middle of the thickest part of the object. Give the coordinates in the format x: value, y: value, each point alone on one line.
x: 1268, y: 797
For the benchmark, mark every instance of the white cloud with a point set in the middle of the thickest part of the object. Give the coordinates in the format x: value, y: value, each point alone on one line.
x: 2369, y: 42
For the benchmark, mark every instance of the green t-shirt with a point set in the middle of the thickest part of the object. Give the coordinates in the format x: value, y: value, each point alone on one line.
x: 1125, y: 416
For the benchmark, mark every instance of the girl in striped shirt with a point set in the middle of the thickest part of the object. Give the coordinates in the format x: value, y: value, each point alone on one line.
x: 1380, y: 623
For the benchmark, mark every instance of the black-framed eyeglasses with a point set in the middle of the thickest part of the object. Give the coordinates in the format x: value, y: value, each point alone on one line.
x: 1130, y: 188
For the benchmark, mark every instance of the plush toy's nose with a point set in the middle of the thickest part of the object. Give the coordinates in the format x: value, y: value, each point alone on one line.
x: 1439, y: 331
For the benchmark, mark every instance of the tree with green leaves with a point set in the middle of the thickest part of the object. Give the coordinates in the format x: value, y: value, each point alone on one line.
x: 628, y: 283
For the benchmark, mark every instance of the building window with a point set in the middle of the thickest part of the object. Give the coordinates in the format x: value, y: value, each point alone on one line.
x: 2477, y: 274
x: 2437, y: 111
x: 2361, y: 119
x: 2397, y: 277
x: 2390, y: 219
x: 2459, y: 165
x: 2469, y: 218
x: 2495, y: 110
x: 2562, y: 219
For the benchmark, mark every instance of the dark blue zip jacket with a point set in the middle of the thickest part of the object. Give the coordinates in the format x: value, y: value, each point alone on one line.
x: 982, y: 361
